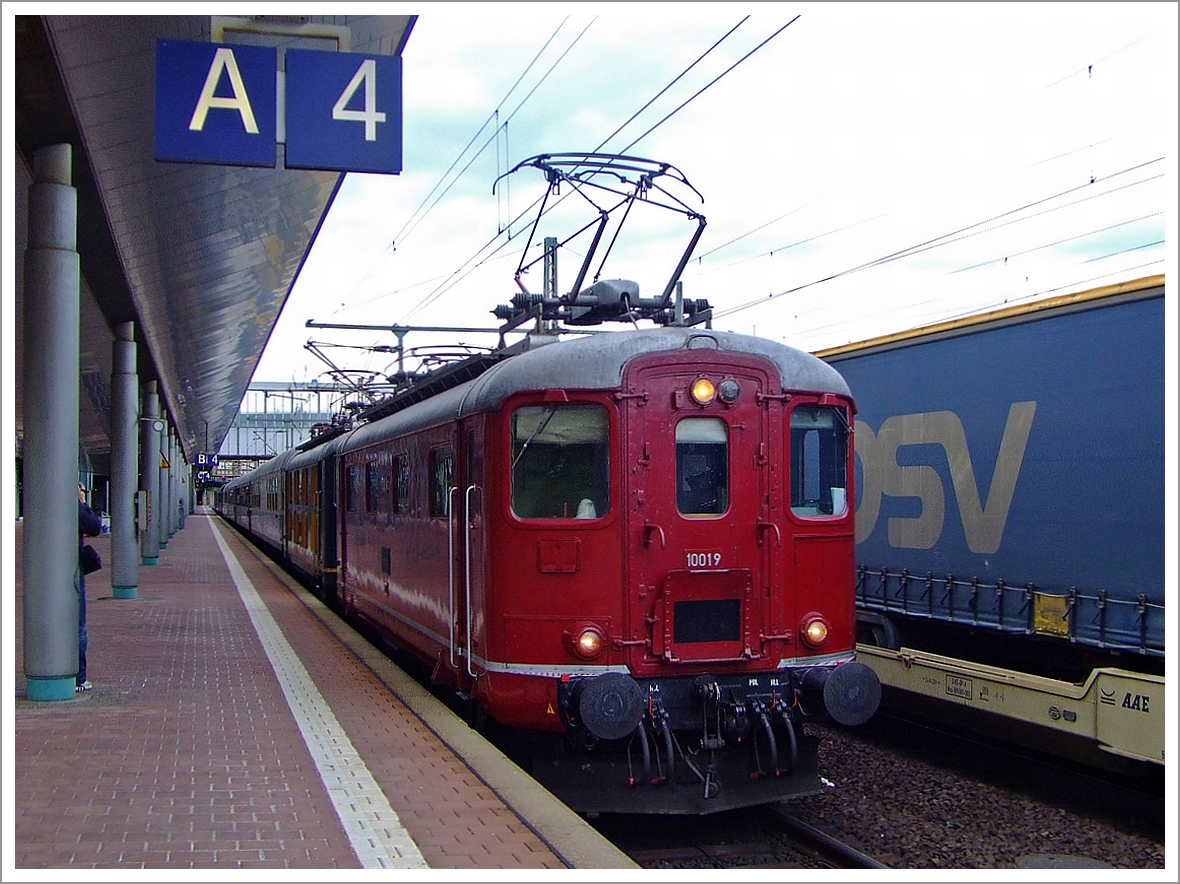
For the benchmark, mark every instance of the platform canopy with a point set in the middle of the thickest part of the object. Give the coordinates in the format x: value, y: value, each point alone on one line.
x: 200, y: 257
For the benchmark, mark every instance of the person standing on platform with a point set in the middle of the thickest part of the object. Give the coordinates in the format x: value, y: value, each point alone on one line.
x: 88, y: 526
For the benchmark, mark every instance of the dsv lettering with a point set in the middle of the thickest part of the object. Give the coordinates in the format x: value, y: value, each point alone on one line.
x: 982, y: 525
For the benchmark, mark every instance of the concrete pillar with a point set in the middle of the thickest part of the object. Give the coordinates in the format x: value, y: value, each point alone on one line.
x: 166, y: 514
x: 124, y: 464
x: 51, y: 373
x: 149, y: 474
x: 173, y: 469
x: 182, y: 494
x: 185, y: 500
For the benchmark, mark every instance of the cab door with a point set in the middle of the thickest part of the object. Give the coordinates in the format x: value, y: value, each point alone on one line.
x: 705, y: 523
x: 458, y: 467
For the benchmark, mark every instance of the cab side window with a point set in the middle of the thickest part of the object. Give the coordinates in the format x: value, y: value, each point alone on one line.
x: 560, y: 462
x: 819, y: 461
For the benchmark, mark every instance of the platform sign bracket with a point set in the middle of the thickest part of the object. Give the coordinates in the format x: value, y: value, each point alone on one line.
x: 293, y: 26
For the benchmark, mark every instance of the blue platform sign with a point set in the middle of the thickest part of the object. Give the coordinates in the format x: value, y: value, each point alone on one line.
x: 344, y: 111
x: 215, y: 103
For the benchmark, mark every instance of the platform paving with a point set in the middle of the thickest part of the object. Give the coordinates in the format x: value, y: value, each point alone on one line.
x: 235, y: 723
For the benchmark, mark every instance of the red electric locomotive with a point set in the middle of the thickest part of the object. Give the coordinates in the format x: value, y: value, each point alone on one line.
x: 642, y: 542
x: 636, y: 548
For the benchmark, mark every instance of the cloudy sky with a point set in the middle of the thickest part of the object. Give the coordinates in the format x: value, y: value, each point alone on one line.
x: 864, y: 168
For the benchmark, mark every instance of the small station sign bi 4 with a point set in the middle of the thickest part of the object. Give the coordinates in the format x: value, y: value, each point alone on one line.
x: 227, y: 104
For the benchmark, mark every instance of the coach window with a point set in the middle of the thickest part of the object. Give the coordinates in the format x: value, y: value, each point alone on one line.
x: 442, y: 478
x: 372, y: 487
x: 561, y: 462
x: 702, y: 466
x: 377, y: 486
x: 401, y: 487
x: 819, y: 461
x: 355, y: 490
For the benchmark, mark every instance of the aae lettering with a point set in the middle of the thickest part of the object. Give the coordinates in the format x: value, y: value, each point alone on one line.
x: 1138, y: 702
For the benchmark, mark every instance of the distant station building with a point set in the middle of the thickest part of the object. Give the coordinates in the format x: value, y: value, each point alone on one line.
x: 273, y: 418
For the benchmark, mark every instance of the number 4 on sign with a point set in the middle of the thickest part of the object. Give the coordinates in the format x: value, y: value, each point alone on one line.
x: 370, y: 116
x: 327, y: 94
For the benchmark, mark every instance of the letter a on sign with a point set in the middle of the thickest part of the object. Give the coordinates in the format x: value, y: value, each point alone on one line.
x: 216, y: 103
x: 224, y: 61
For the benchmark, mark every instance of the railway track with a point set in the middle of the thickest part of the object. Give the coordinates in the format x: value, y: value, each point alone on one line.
x: 918, y: 798
x: 1043, y: 771
x: 768, y: 837
x: 831, y: 851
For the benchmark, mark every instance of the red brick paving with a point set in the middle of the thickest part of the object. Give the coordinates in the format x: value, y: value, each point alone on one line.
x: 185, y: 754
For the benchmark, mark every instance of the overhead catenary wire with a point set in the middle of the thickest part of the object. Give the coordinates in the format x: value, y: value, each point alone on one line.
x: 750, y: 232
x: 468, y: 267
x: 709, y: 85
x: 942, y: 240
x: 1071, y: 286
x: 799, y: 242
x: 433, y: 296
x: 672, y: 83
x: 408, y: 228
x: 416, y: 218
x: 1089, y: 69
x: 1058, y: 242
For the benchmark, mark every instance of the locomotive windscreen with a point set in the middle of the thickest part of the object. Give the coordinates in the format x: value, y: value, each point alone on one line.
x: 712, y: 620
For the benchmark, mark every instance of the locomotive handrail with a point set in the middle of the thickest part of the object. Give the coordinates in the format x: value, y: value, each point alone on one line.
x: 778, y: 536
x: 467, y: 569
x: 451, y: 572
x: 648, y: 530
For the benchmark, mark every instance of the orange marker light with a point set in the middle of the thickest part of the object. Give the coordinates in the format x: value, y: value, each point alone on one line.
x: 815, y: 632
x: 703, y: 391
x: 589, y: 643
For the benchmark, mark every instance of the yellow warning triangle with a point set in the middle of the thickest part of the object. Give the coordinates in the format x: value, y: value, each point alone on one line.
x: 164, y: 465
x: 550, y: 710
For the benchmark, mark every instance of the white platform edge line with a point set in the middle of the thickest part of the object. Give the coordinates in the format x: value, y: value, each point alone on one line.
x: 376, y: 834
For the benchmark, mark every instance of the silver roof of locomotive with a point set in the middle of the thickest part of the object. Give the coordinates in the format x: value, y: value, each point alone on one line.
x: 589, y: 363
x: 598, y: 362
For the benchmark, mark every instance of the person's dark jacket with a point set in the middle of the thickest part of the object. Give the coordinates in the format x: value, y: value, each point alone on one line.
x: 88, y: 523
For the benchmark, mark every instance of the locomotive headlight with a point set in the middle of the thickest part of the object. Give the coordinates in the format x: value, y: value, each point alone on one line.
x: 814, y: 630
x: 703, y: 391
x: 588, y: 642
x: 729, y: 390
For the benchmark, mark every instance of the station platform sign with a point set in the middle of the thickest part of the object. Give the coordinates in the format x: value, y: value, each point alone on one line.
x: 216, y: 103
x: 230, y: 104
x: 344, y: 111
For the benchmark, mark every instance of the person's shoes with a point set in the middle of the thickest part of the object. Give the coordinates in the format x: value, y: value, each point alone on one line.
x: 84, y: 686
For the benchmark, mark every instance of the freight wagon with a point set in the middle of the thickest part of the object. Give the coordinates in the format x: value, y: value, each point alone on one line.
x: 1010, y: 512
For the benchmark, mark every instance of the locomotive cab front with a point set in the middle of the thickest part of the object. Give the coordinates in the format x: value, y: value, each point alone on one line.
x: 684, y: 572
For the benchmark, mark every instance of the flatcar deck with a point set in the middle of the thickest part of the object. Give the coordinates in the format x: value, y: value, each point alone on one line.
x: 234, y: 723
